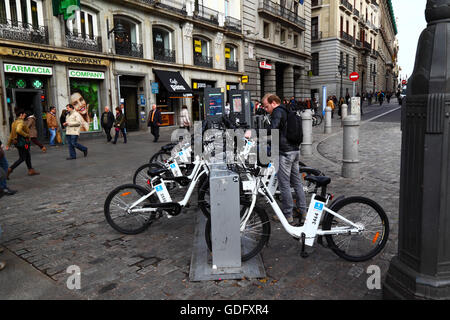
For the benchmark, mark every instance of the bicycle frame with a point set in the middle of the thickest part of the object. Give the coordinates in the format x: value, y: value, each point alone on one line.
x: 311, y: 226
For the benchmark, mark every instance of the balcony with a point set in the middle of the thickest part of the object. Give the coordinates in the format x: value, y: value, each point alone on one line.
x: 316, y: 3
x: 19, y: 31
x: 231, y: 65
x: 79, y: 41
x: 176, y: 6
x: 367, y: 46
x: 358, y: 43
x: 316, y: 35
x: 127, y: 48
x: 374, y: 53
x: 274, y: 10
x: 355, y: 14
x: 345, y: 5
x: 165, y: 55
x: 203, y: 61
x: 233, y: 24
x: 347, y: 38
x: 206, y: 14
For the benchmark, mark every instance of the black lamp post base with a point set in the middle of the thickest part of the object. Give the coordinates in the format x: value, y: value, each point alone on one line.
x: 404, y: 283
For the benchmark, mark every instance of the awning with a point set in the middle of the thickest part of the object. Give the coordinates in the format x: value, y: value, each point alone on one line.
x: 174, y: 83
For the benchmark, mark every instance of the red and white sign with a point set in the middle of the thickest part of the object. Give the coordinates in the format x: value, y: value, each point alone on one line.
x: 404, y: 82
x: 354, y: 76
x: 265, y: 65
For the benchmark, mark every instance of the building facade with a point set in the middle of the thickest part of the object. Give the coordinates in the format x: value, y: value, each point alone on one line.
x: 131, y: 53
x: 277, y: 47
x: 346, y: 38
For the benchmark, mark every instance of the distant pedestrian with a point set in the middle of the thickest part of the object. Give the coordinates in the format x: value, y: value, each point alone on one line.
x: 331, y: 104
x: 4, y: 190
x: 341, y: 103
x: 381, y: 98
x: 107, y: 123
x: 185, y: 121
x: 73, y: 125
x: 154, y: 122
x: 31, y: 124
x: 62, y: 120
x: 52, y: 125
x: 119, y: 126
x: 20, y: 137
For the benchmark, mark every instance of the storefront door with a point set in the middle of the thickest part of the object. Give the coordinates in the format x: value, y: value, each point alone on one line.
x: 129, y: 94
x: 30, y: 101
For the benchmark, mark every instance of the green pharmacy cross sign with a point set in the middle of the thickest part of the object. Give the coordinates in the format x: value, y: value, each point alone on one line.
x: 37, y: 84
x: 21, y: 83
x: 65, y: 8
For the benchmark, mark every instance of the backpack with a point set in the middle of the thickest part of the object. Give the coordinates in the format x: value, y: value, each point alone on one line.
x: 294, y: 127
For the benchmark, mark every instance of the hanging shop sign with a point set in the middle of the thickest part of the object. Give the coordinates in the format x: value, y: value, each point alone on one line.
x: 83, y: 74
x: 198, y: 46
x: 48, y: 56
x: 244, y: 79
x: 227, y: 53
x: 265, y: 65
x: 24, y: 69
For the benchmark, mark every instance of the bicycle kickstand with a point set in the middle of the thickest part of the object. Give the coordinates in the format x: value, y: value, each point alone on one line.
x: 303, y: 253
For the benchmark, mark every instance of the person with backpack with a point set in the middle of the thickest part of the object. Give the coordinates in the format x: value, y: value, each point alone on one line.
x: 290, y: 129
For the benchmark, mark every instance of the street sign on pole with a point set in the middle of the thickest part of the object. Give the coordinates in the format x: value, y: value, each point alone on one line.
x: 354, y: 76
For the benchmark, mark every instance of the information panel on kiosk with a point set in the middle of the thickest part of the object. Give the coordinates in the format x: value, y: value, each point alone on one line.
x: 241, y: 109
x: 214, y: 104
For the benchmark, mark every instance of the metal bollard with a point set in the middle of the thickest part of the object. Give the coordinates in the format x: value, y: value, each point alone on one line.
x: 328, y: 123
x: 350, y: 162
x: 306, y: 146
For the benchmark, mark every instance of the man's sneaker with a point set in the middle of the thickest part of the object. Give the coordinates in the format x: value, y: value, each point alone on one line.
x: 2, y: 265
x: 85, y: 153
x: 9, y: 192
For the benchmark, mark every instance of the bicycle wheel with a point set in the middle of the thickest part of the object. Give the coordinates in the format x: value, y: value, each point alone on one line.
x: 319, y: 119
x: 160, y: 157
x: 361, y: 211
x: 254, y: 237
x: 203, y: 196
x: 141, y: 177
x: 116, y: 209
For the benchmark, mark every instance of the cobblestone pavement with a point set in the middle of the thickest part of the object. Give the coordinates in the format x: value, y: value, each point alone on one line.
x: 56, y: 220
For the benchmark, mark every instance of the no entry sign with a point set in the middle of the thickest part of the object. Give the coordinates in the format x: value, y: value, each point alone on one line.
x: 404, y: 82
x: 354, y: 76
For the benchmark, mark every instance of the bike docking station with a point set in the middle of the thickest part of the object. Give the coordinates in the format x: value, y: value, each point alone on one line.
x: 225, y: 261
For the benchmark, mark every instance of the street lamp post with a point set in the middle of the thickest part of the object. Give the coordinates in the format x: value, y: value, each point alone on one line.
x: 341, y: 69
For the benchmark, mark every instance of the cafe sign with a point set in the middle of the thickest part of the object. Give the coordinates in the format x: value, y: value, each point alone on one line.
x: 24, y: 69
x: 86, y: 74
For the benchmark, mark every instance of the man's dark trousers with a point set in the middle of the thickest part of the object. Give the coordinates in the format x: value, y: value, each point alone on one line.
x: 155, y: 131
x: 108, y: 133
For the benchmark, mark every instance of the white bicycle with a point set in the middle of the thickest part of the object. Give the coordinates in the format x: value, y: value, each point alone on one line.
x: 356, y: 228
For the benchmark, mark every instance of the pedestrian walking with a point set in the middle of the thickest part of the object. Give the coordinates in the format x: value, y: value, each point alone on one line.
x: 381, y: 98
x: 331, y: 104
x: 20, y: 137
x: 4, y: 190
x: 154, y: 122
x: 288, y: 171
x: 31, y: 124
x: 341, y: 102
x: 52, y: 125
x: 73, y: 125
x: 185, y: 121
x: 369, y: 97
x: 62, y: 120
x: 107, y: 122
x: 119, y: 126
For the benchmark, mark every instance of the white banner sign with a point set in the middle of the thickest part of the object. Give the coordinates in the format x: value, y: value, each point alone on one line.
x: 86, y: 74
x: 17, y: 68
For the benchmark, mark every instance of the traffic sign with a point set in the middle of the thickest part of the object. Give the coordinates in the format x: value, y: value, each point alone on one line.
x: 404, y: 82
x: 354, y: 76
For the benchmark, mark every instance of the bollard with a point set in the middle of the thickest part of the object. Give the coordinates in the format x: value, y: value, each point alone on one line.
x: 328, y: 124
x: 306, y: 146
x: 350, y: 162
x: 344, y: 111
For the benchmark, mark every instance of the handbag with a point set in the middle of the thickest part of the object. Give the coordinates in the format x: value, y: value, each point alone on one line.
x: 58, y: 137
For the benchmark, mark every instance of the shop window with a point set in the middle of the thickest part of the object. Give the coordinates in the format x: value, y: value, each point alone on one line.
x: 22, y: 13
x: 202, y: 55
x: 283, y: 36
x: 266, y: 30
x: 295, y: 41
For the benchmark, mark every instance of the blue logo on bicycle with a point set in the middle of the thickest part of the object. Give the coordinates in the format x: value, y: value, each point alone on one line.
x: 180, y: 154
x: 318, y: 206
x: 172, y: 166
x: 159, y: 188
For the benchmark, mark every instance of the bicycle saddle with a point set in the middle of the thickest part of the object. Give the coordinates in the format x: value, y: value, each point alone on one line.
x: 168, y: 147
x: 156, y: 172
x: 320, y: 181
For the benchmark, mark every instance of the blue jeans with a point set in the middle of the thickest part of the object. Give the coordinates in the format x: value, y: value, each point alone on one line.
x: 72, y: 141
x: 288, y: 174
x: 4, y: 165
x: 52, y: 136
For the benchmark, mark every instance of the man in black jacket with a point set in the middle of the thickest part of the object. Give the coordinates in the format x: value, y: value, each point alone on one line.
x: 288, y: 171
x: 107, y: 122
x: 154, y: 122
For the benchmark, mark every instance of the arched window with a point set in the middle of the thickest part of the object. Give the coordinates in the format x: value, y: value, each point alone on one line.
x: 162, y: 44
x: 127, y: 43
x: 202, y: 55
x: 231, y: 57
x: 82, y: 32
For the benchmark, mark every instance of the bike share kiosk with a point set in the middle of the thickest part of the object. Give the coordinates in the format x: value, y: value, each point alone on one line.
x: 241, y: 109
x: 225, y: 210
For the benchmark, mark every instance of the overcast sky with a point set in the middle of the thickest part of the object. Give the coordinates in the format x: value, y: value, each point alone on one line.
x: 410, y: 15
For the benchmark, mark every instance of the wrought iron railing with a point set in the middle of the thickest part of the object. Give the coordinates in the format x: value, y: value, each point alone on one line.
x: 79, y: 41
x: 367, y: 46
x: 358, y: 43
x: 203, y: 61
x: 177, y: 6
x: 345, y: 36
x: 206, y: 14
x: 347, y: 5
x: 19, y: 31
x: 279, y: 11
x: 127, y: 48
x: 356, y: 12
x: 232, y: 65
x: 233, y: 24
x: 162, y: 54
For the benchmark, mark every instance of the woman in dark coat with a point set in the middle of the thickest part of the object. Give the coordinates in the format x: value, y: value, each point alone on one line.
x: 119, y: 126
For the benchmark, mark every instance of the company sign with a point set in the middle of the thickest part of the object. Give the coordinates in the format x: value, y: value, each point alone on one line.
x: 24, y: 69
x: 86, y: 74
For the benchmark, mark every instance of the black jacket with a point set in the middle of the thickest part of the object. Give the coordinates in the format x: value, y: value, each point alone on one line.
x: 278, y: 120
x: 109, y: 120
x: 157, y: 119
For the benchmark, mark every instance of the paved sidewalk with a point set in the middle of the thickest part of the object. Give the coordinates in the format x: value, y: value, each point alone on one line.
x: 56, y: 220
